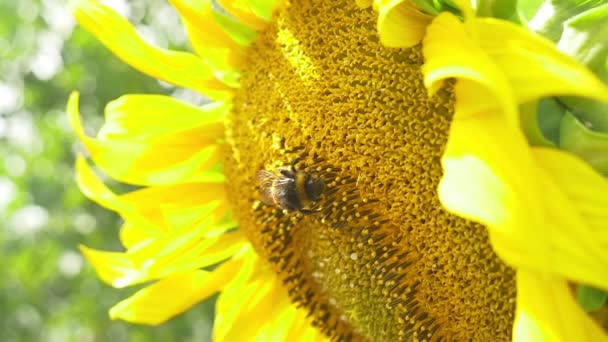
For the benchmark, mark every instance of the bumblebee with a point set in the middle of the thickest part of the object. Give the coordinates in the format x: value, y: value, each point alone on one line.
x: 291, y: 189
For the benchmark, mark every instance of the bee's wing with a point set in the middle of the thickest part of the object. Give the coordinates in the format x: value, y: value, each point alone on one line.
x: 271, y: 186
x: 266, y: 180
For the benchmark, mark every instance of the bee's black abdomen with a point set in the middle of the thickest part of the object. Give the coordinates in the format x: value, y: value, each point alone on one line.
x: 290, y: 200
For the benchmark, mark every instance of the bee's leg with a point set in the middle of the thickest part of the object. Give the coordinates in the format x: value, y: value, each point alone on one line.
x: 310, y: 211
x: 297, y: 159
x: 294, y: 162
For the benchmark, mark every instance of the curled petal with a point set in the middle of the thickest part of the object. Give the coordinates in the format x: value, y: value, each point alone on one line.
x: 400, y: 23
x: 142, y: 117
x: 157, y: 151
x: 576, y: 198
x: 514, y: 65
x: 165, y: 299
x: 208, y: 38
x: 173, y: 295
x: 542, y: 206
x: 114, y: 268
x: 469, y: 64
x: 532, y: 64
x: 118, y: 35
x: 483, y: 161
x: 155, y: 208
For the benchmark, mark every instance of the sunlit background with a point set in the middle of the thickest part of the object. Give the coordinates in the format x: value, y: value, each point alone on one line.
x: 47, y: 291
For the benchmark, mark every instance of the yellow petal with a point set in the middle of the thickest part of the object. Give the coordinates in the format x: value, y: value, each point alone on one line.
x: 547, y: 311
x: 132, y: 234
x: 172, y: 154
x: 491, y: 174
x: 256, y: 302
x: 242, y: 10
x: 400, y: 23
x: 179, y: 197
x: 93, y: 188
x: 513, y: 65
x: 529, y: 206
x: 302, y: 328
x: 159, y: 257
x: 466, y: 7
x: 255, y: 307
x: 209, y: 39
x: 483, y: 161
x: 265, y: 8
x: 114, y: 268
x: 156, y: 209
x: 185, y: 251
x: 171, y: 296
x: 532, y: 64
x: 481, y: 85
x: 118, y: 35
x: 229, y: 301
x: 143, y: 117
x: 237, y: 300
x: 285, y: 322
x: 576, y: 200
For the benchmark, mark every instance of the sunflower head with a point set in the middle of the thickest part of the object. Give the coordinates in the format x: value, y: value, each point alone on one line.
x: 381, y: 257
x: 399, y: 172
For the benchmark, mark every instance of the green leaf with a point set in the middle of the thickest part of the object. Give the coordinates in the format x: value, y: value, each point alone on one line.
x: 430, y: 7
x: 590, y: 145
x: 530, y: 125
x: 549, y: 116
x: 590, y: 298
x: 527, y: 9
x: 502, y: 9
x: 434, y: 7
x: 585, y: 38
x: 551, y: 15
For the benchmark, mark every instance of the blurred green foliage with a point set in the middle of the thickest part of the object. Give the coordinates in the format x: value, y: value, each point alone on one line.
x: 47, y: 291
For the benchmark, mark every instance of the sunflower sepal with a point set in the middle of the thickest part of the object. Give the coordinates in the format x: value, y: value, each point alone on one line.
x: 265, y: 8
x: 590, y: 298
x: 240, y: 32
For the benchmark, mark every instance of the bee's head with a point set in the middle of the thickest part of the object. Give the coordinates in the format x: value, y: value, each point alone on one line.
x: 314, y: 188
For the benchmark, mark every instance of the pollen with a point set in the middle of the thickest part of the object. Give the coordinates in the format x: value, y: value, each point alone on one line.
x: 380, y: 260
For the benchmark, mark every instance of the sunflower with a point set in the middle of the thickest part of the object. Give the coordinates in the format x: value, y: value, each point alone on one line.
x: 446, y: 214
